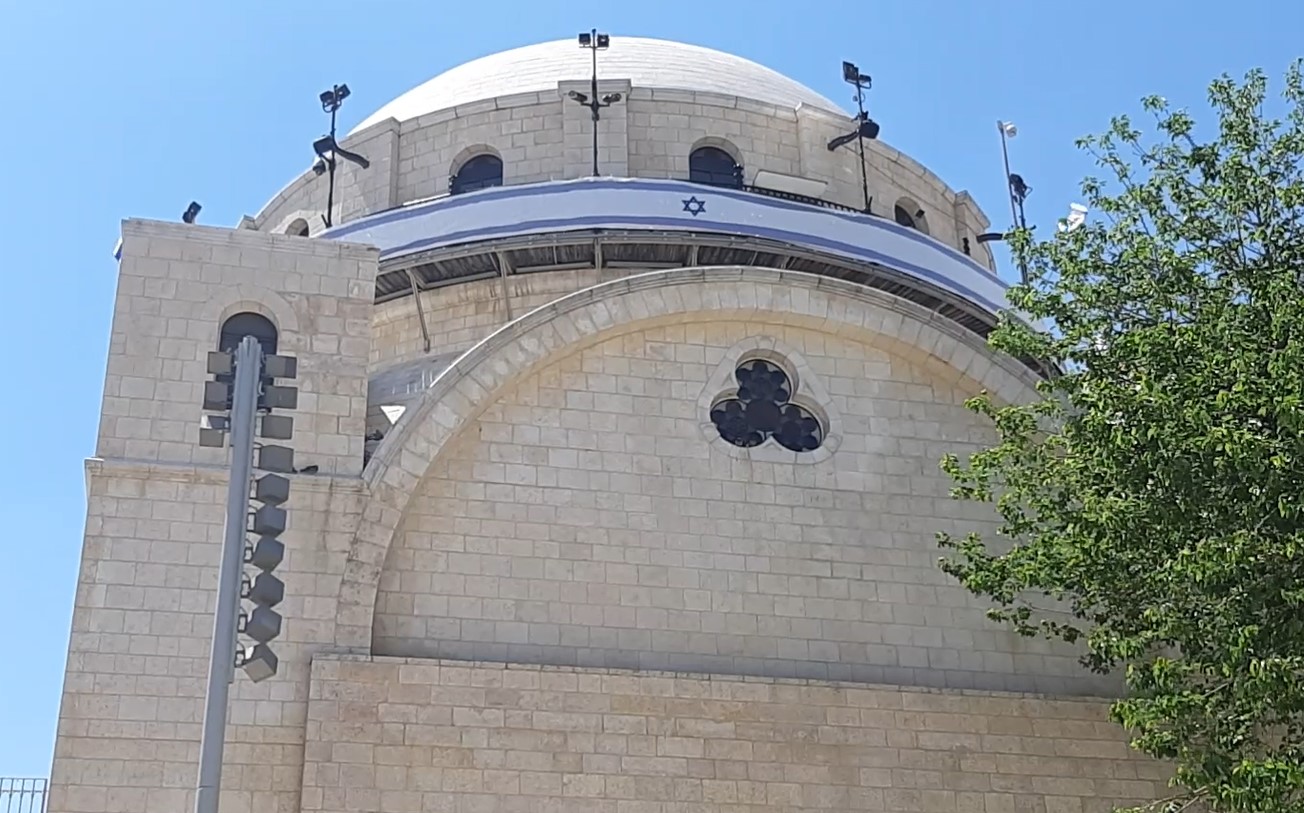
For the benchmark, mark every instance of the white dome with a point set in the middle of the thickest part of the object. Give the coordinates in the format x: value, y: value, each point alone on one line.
x: 646, y: 63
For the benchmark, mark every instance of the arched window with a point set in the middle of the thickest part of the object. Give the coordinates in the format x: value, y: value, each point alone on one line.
x: 714, y: 166
x: 244, y: 324
x: 908, y: 214
x: 297, y: 228
x: 480, y: 172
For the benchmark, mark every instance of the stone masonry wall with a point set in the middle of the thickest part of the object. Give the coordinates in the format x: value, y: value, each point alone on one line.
x: 586, y: 518
x: 650, y: 134
x: 405, y: 736
x: 133, y: 697
x: 178, y: 283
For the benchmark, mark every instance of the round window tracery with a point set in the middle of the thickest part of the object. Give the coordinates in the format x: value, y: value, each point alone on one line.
x: 762, y: 409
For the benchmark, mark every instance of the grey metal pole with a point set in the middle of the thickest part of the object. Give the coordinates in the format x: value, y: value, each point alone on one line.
x: 1005, y: 154
x: 221, y: 665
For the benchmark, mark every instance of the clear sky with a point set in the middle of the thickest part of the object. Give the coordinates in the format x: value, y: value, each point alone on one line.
x: 133, y: 108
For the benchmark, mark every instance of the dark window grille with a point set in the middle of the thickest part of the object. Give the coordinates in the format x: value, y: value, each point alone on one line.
x: 715, y: 167
x: 763, y: 409
x: 480, y: 172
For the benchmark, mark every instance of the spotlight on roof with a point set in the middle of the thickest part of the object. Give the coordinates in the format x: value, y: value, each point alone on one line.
x: 333, y: 98
x: 991, y: 237
x: 327, y: 148
x: 611, y: 98
x: 319, y: 166
x: 579, y: 97
x: 191, y: 212
x: 852, y: 74
x: 592, y: 39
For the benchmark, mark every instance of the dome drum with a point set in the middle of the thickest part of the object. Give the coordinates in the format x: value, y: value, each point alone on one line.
x: 644, y: 224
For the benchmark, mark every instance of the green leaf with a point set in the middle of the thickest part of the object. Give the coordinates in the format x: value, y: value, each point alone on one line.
x: 1154, y: 487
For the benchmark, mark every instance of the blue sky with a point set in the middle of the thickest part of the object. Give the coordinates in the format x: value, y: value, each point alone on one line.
x: 132, y: 109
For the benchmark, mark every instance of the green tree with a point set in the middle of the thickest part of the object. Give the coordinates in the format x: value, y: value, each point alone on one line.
x: 1153, y: 493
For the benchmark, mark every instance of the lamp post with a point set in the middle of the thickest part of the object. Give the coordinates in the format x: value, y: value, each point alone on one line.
x: 1016, y: 187
x: 253, y: 392
x: 594, y: 42
x: 865, y: 126
x: 327, y: 148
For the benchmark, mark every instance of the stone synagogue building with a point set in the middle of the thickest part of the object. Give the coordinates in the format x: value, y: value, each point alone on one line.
x: 621, y: 487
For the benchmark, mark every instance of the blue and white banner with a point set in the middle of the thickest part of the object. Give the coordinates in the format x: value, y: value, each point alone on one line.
x: 632, y: 204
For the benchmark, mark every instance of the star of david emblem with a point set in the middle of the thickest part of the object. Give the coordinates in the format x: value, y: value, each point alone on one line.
x: 694, y: 206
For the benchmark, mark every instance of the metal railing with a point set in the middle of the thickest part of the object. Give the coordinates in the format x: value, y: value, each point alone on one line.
x: 23, y: 794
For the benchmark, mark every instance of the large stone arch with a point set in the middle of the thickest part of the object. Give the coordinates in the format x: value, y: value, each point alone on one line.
x: 471, y: 383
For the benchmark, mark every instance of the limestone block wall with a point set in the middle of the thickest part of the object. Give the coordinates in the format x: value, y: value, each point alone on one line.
x: 410, y: 735
x: 546, y: 136
x: 178, y: 283
x: 132, y: 707
x: 458, y: 316
x: 587, y: 517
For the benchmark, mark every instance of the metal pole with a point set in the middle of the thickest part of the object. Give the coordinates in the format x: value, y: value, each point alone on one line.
x: 221, y: 664
x: 1005, y: 154
x: 1015, y: 212
x: 330, y: 166
x: 593, y: 100
x: 860, y: 144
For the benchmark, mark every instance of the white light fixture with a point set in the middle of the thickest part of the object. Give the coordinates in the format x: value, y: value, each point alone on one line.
x: 1077, y: 217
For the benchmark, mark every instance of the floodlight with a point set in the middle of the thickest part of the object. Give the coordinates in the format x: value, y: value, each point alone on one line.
x: 259, y: 662
x: 586, y: 39
x: 611, y: 98
x: 271, y: 489
x: 266, y: 590
x: 222, y: 423
x: 191, y: 212
x: 279, y: 459
x: 217, y: 396
x: 604, y: 41
x: 263, y: 624
x: 269, y: 520
x: 276, y: 427
x: 278, y: 397
x: 333, y: 98
x: 267, y: 553
x: 280, y: 366
x: 220, y: 363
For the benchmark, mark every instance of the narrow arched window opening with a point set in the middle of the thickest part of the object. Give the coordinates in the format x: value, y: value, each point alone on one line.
x: 479, y: 172
x: 903, y: 217
x: 714, y: 166
x: 244, y: 324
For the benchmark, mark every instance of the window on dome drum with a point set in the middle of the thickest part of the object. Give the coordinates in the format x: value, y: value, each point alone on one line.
x: 479, y: 172
x: 714, y: 166
x: 903, y: 217
x: 298, y: 228
x: 762, y: 409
